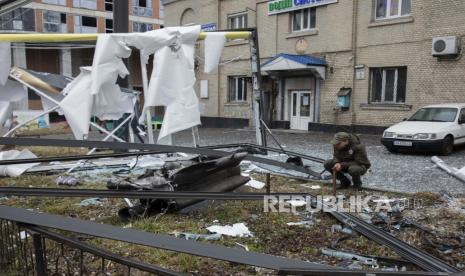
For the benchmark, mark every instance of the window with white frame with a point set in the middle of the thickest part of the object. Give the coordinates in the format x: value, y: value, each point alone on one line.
x: 142, y: 8
x: 141, y: 27
x: 303, y: 20
x: 55, y: 2
x: 237, y: 89
x: 20, y: 19
x: 85, y: 24
x: 54, y: 22
x: 108, y: 25
x: 237, y: 21
x: 388, y: 85
x: 85, y: 4
x: 108, y: 5
x: 385, y: 9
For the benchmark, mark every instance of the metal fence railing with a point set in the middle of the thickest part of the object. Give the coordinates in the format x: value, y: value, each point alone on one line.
x: 32, y: 250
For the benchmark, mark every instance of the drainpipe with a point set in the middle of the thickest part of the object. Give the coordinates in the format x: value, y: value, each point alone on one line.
x: 354, y: 55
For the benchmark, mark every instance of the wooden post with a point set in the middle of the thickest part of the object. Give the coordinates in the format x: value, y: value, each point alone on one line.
x: 268, y: 183
x: 334, y: 182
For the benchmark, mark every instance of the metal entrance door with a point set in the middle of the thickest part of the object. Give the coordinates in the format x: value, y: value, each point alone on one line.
x: 301, y: 109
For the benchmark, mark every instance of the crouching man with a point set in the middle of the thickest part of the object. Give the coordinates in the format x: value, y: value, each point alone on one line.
x: 349, y: 157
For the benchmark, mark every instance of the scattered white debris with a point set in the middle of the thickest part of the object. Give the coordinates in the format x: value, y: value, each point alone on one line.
x: 236, y: 230
x: 23, y: 235
x: 255, y: 184
x: 306, y: 223
x: 91, y: 202
x: 67, y: 180
x: 245, y: 247
x: 296, y: 202
x: 147, y: 161
x: 195, y: 237
x: 18, y: 169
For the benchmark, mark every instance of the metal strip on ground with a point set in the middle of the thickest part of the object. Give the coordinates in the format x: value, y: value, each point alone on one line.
x: 145, y: 147
x: 154, y: 240
x: 53, y: 192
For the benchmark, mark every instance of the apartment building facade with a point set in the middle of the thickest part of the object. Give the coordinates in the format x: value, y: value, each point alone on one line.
x: 73, y: 16
x: 331, y: 64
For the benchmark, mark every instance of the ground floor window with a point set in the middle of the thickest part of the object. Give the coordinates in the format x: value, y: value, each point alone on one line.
x: 237, y: 89
x: 388, y: 85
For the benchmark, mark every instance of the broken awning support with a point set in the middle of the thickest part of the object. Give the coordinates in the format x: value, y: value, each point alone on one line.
x: 154, y: 240
x: 92, y: 37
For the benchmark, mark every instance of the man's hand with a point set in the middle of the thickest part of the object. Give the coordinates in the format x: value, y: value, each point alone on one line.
x: 337, y: 167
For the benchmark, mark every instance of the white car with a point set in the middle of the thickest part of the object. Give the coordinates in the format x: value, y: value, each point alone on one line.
x: 435, y: 128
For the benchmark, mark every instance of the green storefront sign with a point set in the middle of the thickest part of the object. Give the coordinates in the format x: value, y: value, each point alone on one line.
x: 280, y: 6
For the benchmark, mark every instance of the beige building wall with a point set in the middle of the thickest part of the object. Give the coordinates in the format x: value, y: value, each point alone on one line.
x: 407, y: 42
x: 345, y: 39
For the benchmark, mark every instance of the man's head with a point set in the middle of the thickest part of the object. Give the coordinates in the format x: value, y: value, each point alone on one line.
x: 341, y: 140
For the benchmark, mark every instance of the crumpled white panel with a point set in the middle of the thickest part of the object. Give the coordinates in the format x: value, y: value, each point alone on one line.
x: 77, y: 104
x: 5, y: 64
x: 80, y: 104
x: 214, y: 44
x: 172, y: 82
x: 18, y: 169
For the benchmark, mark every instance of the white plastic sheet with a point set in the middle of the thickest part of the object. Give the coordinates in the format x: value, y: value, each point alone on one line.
x: 171, y: 85
x: 172, y: 82
x: 214, y: 44
x: 19, y: 169
x: 5, y: 65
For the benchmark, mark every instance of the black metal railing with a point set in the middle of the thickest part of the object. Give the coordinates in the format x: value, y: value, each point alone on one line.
x: 32, y: 250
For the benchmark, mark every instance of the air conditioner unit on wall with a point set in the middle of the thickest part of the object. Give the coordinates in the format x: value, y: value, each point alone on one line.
x: 445, y: 46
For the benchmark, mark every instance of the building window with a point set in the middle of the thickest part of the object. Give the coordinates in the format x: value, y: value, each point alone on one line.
x: 20, y: 19
x: 108, y: 25
x: 85, y: 4
x: 54, y: 22
x: 303, y: 19
x: 237, y: 21
x: 237, y: 89
x: 162, y: 10
x: 85, y: 24
x: 141, y: 27
x: 388, y: 85
x: 108, y: 5
x: 55, y: 2
x: 142, y: 8
x: 385, y: 9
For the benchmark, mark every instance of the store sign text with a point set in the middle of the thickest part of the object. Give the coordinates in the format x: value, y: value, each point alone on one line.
x: 280, y: 6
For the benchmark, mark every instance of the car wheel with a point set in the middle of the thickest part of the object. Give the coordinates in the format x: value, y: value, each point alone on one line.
x: 447, y: 145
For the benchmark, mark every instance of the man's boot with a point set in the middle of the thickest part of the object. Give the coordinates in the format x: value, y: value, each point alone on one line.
x: 345, y: 182
x: 357, y: 182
